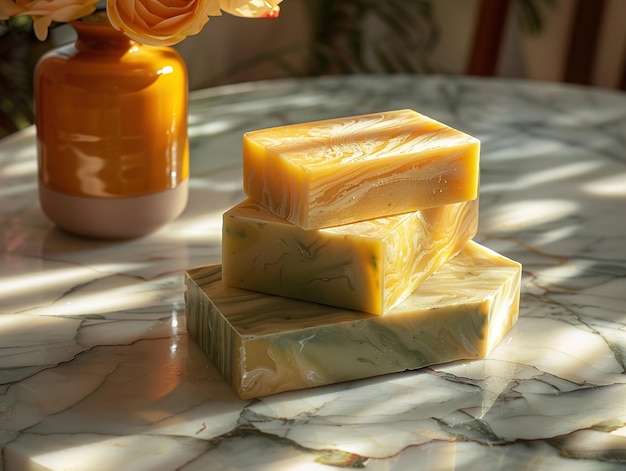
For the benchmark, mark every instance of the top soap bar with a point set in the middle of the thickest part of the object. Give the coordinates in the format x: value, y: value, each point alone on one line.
x: 338, y: 171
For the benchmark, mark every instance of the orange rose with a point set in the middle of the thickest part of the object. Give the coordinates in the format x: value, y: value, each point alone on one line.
x: 44, y: 12
x: 160, y: 22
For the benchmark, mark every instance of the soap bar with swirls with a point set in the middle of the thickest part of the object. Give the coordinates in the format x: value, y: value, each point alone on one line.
x: 264, y: 344
x: 337, y: 171
x: 367, y: 266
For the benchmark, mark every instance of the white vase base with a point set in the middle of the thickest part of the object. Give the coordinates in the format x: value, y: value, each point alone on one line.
x: 113, y: 218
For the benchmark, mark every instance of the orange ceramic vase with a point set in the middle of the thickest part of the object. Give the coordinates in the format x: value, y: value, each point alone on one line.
x: 111, y: 118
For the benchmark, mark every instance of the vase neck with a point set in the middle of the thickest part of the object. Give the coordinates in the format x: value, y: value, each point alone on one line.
x: 101, y: 37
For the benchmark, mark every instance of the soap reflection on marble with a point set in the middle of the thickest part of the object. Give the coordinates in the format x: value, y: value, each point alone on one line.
x: 266, y: 344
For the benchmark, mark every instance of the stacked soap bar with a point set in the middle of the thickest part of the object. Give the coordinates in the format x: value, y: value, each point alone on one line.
x: 351, y: 257
x: 367, y: 266
x: 264, y: 344
x: 338, y: 171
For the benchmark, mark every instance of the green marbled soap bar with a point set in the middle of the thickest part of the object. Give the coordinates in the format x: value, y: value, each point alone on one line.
x: 264, y: 344
x: 368, y: 266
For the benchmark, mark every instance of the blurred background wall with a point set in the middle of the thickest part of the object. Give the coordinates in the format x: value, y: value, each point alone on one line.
x: 537, y: 51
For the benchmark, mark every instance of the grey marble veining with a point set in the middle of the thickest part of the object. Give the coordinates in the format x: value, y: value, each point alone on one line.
x: 97, y: 371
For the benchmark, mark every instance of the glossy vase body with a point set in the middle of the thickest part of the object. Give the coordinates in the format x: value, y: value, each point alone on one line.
x: 111, y: 118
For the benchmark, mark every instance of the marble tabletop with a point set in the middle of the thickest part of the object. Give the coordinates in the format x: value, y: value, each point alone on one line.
x: 97, y: 371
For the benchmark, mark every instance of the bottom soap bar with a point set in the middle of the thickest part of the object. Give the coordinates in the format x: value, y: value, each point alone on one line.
x: 264, y: 344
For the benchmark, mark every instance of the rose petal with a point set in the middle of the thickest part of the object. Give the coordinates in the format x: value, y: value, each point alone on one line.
x: 251, y: 8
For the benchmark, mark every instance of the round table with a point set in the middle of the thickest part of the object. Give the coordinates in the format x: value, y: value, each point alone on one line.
x: 97, y: 371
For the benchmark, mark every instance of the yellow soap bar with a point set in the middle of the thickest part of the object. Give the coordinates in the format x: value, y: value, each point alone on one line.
x: 368, y: 266
x: 338, y: 171
x: 264, y: 344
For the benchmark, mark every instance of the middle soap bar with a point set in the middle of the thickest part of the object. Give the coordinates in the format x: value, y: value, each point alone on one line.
x: 367, y: 266
x: 337, y: 171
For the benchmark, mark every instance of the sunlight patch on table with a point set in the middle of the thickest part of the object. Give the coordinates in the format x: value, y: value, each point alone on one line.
x: 614, y: 185
x: 20, y: 284
x: 206, y: 228
x: 526, y: 214
x: 19, y: 169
